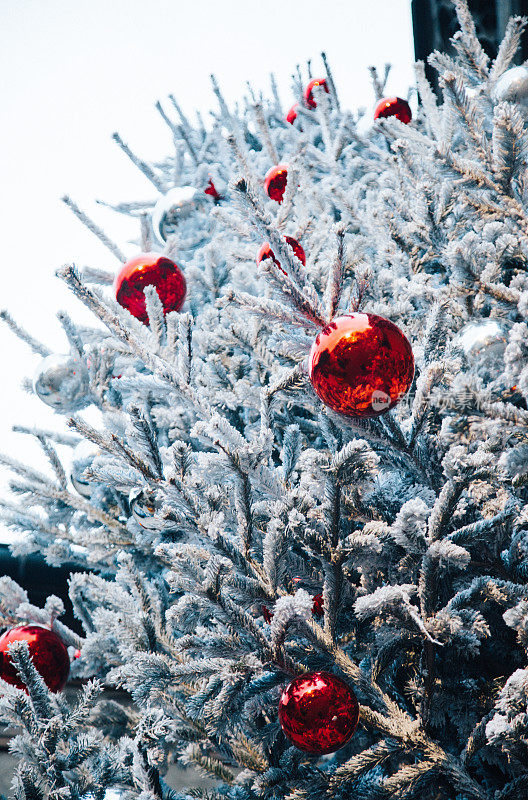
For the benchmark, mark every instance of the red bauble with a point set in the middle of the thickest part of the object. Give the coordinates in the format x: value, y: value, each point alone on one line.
x: 308, y: 92
x: 150, y: 269
x: 266, y: 252
x: 291, y: 116
x: 47, y: 650
x: 393, y: 107
x: 275, y: 182
x: 318, y: 605
x: 360, y: 365
x: 211, y: 191
x: 318, y: 712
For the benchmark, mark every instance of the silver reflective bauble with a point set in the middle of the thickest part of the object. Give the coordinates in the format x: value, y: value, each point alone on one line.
x: 112, y: 793
x: 512, y: 86
x: 483, y: 343
x: 61, y: 381
x: 145, y: 510
x: 83, y: 456
x: 172, y: 208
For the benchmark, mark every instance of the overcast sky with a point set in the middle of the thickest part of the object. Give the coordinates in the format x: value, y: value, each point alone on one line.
x: 74, y: 71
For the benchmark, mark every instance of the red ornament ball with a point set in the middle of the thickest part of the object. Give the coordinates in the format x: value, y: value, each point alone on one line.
x: 150, y: 269
x: 266, y: 252
x: 318, y: 712
x: 360, y: 365
x: 308, y: 92
x: 318, y: 605
x: 47, y: 650
x: 275, y: 182
x: 393, y: 107
x: 291, y: 116
x: 210, y: 189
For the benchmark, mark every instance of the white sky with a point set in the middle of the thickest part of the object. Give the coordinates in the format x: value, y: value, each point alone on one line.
x: 74, y: 71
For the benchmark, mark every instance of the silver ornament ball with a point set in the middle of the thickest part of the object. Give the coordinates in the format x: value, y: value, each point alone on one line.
x: 483, y: 343
x: 83, y: 457
x: 172, y: 208
x: 111, y: 793
x: 512, y: 86
x: 61, y: 381
x: 145, y: 509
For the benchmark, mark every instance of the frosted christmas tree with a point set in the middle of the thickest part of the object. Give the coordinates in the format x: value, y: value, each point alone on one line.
x: 300, y: 527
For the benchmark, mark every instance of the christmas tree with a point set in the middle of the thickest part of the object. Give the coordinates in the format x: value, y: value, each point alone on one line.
x: 299, y: 532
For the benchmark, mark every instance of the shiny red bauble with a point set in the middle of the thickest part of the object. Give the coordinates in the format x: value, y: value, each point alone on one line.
x: 360, y: 365
x: 393, y: 107
x: 275, y: 182
x: 308, y: 92
x: 318, y: 712
x: 291, y: 116
x: 150, y: 269
x: 318, y: 605
x: 210, y: 189
x: 266, y: 252
x: 47, y: 650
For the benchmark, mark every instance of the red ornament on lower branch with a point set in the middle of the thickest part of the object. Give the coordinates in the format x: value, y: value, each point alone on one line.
x: 210, y: 189
x: 360, y: 365
x: 266, y: 252
x: 393, y: 107
x: 48, y: 652
x: 318, y: 712
x: 318, y: 605
x: 308, y: 92
x: 291, y: 116
x: 150, y: 269
x: 275, y: 182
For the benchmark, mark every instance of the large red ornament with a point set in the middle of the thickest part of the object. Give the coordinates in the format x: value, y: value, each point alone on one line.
x: 308, y: 92
x: 150, y: 269
x: 266, y: 252
x: 393, y: 107
x: 275, y: 182
x: 291, y: 116
x: 360, y: 365
x: 318, y: 712
x: 47, y: 650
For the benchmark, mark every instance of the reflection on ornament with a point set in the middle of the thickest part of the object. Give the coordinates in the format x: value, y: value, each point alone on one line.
x: 483, y: 343
x: 48, y: 653
x: 266, y: 252
x: 393, y: 107
x: 308, y: 92
x: 360, y: 365
x: 318, y: 712
x: 172, y: 208
x: 150, y: 269
x: 115, y: 792
x: 83, y: 456
x: 145, y: 510
x: 61, y: 381
x: 275, y: 182
x: 512, y: 86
